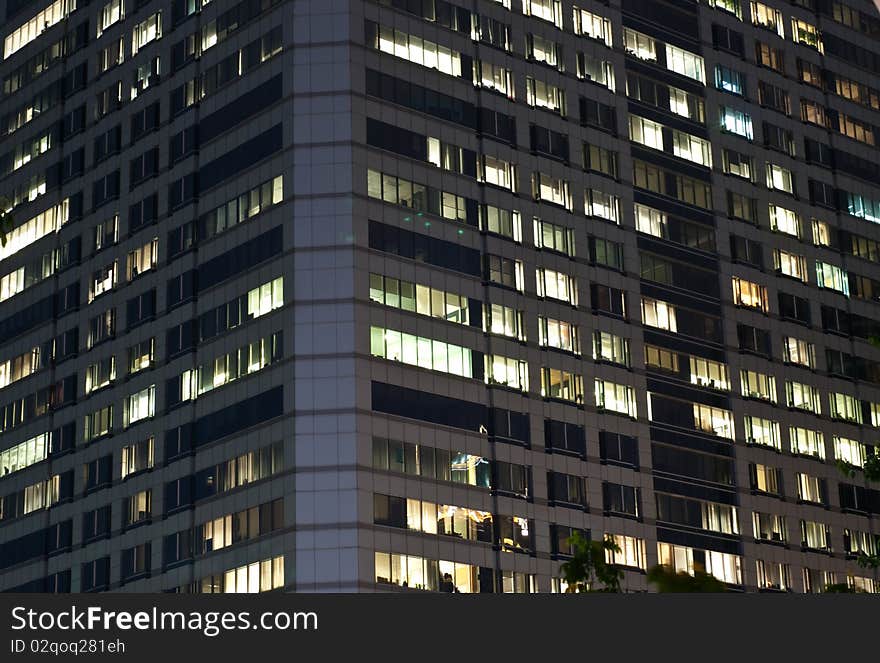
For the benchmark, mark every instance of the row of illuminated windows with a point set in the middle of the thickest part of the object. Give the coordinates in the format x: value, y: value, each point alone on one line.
x: 35, y: 26
x: 562, y: 335
x: 683, y: 145
x: 420, y: 299
x: 140, y: 260
x: 499, y: 370
x: 415, y: 572
x: 35, y: 228
x: 455, y: 466
x: 512, y: 533
x: 246, y: 360
x: 223, y: 531
x: 262, y: 576
x: 135, y: 407
x: 24, y: 454
x: 41, y: 495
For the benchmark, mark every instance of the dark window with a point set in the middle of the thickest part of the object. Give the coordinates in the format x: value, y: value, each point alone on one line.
x: 566, y: 489
x: 746, y: 251
x: 144, y: 166
x: 140, y: 309
x: 619, y: 449
x: 752, y: 339
x: 95, y: 575
x: 621, y: 500
x: 606, y: 299
x: 561, y: 436
x: 728, y: 40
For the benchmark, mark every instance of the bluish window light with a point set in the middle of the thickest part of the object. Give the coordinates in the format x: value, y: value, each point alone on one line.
x: 729, y: 80
x: 736, y: 122
x: 862, y: 207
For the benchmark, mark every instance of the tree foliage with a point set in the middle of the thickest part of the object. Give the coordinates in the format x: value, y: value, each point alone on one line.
x: 589, y: 570
x: 666, y: 580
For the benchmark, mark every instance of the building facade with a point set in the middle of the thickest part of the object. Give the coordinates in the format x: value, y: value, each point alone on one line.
x: 364, y: 296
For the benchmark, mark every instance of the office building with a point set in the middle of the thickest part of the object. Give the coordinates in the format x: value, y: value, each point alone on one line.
x: 365, y: 296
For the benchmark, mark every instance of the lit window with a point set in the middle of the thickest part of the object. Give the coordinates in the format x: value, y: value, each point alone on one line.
x: 790, y: 264
x: 504, y: 321
x: 849, y: 451
x: 564, y: 385
x: 615, y: 397
x: 103, y: 280
x: 686, y: 104
x: 498, y: 172
x: 708, y: 373
x: 832, y: 277
x: 494, y: 77
x: 661, y: 359
x: 111, y: 13
x: 736, y: 122
x: 723, y: 566
x: 139, y: 406
x: 779, y: 178
x: 137, y: 457
x: 35, y: 228
x: 658, y: 314
x: 507, y: 372
x: 419, y: 51
x: 596, y: 70
x: 802, y: 396
x: 611, y: 348
x: 650, y: 221
x: 556, y: 285
x: 262, y: 576
x: 768, y: 17
x: 421, y: 351
x: 821, y: 233
x: 100, y: 374
x: 146, y: 31
x: 784, y: 220
x: 807, y: 442
x: 810, y: 489
x: 558, y: 334
x: 265, y: 298
x: 805, y: 33
x: 33, y: 28
x: 713, y: 420
x: 729, y: 6
x: 845, y: 407
x: 769, y: 527
x: 544, y: 95
x: 554, y: 237
x: 758, y: 385
x: 763, y: 432
x: 98, y: 423
x: 553, y: 190
x: 729, y: 80
x: 689, y: 147
x: 418, y: 298
x: 547, y: 10
x: 502, y: 222
x: 602, y: 205
x: 751, y: 295
x: 640, y: 45
x: 773, y: 575
x: 630, y: 553
x: 646, y: 132
x: 685, y: 63
x: 24, y: 454
x: 814, y: 535
x: 592, y: 25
